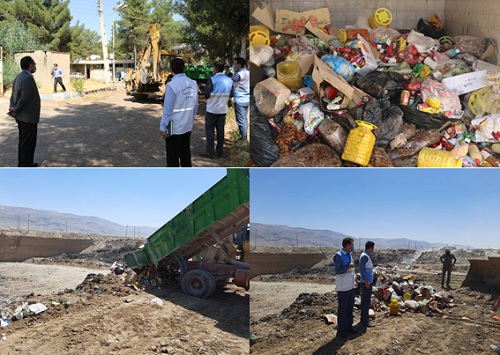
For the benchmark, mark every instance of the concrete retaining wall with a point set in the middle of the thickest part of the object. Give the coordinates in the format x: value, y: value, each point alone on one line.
x: 20, y: 248
x: 268, y: 263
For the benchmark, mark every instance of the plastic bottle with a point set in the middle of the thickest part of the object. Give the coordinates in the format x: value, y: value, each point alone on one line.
x: 260, y: 54
x: 452, y: 52
x: 289, y: 73
x: 312, y: 116
x: 394, y: 307
x: 435, y: 158
x: 359, y: 145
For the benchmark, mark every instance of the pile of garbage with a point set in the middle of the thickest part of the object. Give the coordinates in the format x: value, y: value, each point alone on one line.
x: 370, y: 94
x: 394, y: 293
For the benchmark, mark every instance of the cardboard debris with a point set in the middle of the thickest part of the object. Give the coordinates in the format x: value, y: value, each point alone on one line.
x: 265, y: 16
x: 294, y: 23
x: 464, y: 83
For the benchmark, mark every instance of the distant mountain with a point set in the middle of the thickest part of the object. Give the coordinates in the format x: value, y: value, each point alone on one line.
x: 52, y: 221
x: 279, y: 235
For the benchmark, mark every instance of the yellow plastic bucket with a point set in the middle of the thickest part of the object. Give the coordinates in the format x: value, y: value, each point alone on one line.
x: 381, y: 17
x: 259, y: 38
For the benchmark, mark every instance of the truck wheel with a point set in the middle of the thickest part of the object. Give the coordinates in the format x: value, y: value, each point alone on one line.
x: 199, y: 283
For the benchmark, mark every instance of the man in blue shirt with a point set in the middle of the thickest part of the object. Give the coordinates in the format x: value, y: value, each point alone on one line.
x: 179, y: 112
x: 345, y: 284
x: 58, y: 74
x: 218, y: 90
x: 241, y: 80
x: 366, y: 271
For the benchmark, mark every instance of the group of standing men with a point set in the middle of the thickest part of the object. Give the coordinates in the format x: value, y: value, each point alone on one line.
x: 346, y: 285
x: 181, y: 105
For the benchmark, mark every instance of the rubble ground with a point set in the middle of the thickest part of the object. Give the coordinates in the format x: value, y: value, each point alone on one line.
x: 298, y: 326
x: 92, y: 312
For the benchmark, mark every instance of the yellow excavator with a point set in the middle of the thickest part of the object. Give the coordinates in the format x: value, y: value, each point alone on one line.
x: 153, y: 69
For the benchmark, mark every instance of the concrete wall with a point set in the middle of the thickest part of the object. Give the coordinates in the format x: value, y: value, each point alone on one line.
x: 406, y: 13
x: 477, y: 19
x: 20, y: 248
x: 44, y: 65
x: 271, y: 263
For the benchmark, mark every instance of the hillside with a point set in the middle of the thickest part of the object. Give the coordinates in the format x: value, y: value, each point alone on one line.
x: 52, y: 221
x: 285, y: 236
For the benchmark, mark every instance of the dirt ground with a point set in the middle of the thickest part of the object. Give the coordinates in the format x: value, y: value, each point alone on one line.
x: 91, y: 310
x: 292, y: 322
x: 110, y: 129
x: 102, y: 316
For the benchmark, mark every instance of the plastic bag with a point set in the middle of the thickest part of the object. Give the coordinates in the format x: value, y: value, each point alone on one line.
x: 487, y: 128
x: 421, y: 119
x: 439, y: 96
x: 302, y: 45
x: 483, y: 101
x: 333, y: 134
x: 340, y: 66
x: 381, y: 84
x: 263, y: 151
x: 422, y: 42
x: 470, y: 44
x: 388, y: 119
x: 429, y: 30
x: 385, y: 32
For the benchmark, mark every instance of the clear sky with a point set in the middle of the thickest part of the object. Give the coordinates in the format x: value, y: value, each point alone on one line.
x: 138, y: 197
x: 86, y: 12
x: 452, y: 206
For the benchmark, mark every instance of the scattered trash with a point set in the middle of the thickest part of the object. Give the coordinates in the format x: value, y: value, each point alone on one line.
x: 4, y: 337
x: 330, y: 318
x: 392, y: 78
x: 4, y: 322
x: 157, y: 301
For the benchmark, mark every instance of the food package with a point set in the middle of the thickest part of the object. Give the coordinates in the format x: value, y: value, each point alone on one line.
x: 270, y: 96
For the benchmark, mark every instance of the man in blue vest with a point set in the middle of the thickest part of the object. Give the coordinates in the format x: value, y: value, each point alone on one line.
x: 366, y: 271
x: 217, y: 91
x: 345, y: 285
x: 241, y: 79
x: 179, y: 112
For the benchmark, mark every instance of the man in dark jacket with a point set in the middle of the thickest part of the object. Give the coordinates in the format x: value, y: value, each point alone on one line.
x: 25, y: 108
x: 448, y: 260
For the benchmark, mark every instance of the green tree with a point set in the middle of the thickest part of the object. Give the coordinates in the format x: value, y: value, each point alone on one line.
x: 132, y: 29
x: 16, y: 37
x: 48, y: 20
x: 219, y: 26
x: 169, y: 29
x: 84, y: 42
x: 60, y: 18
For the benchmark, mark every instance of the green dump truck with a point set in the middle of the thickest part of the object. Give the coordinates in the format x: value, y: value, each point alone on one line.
x: 194, y: 247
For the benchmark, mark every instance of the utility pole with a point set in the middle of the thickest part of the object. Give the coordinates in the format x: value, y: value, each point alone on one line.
x: 297, y: 242
x: 126, y: 231
x: 104, y: 42
x: 66, y: 227
x: 28, y: 222
x: 255, y: 239
x: 119, y: 7
x: 134, y: 232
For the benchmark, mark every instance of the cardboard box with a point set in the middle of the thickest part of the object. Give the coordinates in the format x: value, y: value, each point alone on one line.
x: 464, y: 83
x: 265, y: 16
x: 294, y: 23
x: 322, y: 72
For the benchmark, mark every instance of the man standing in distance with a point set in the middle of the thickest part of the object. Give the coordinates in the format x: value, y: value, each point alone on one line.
x: 241, y: 80
x: 345, y: 284
x: 366, y: 271
x: 25, y: 108
x: 218, y: 90
x: 448, y: 260
x: 58, y: 74
x: 179, y: 112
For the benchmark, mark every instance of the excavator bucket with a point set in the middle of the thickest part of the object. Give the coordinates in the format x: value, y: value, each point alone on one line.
x: 484, y: 274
